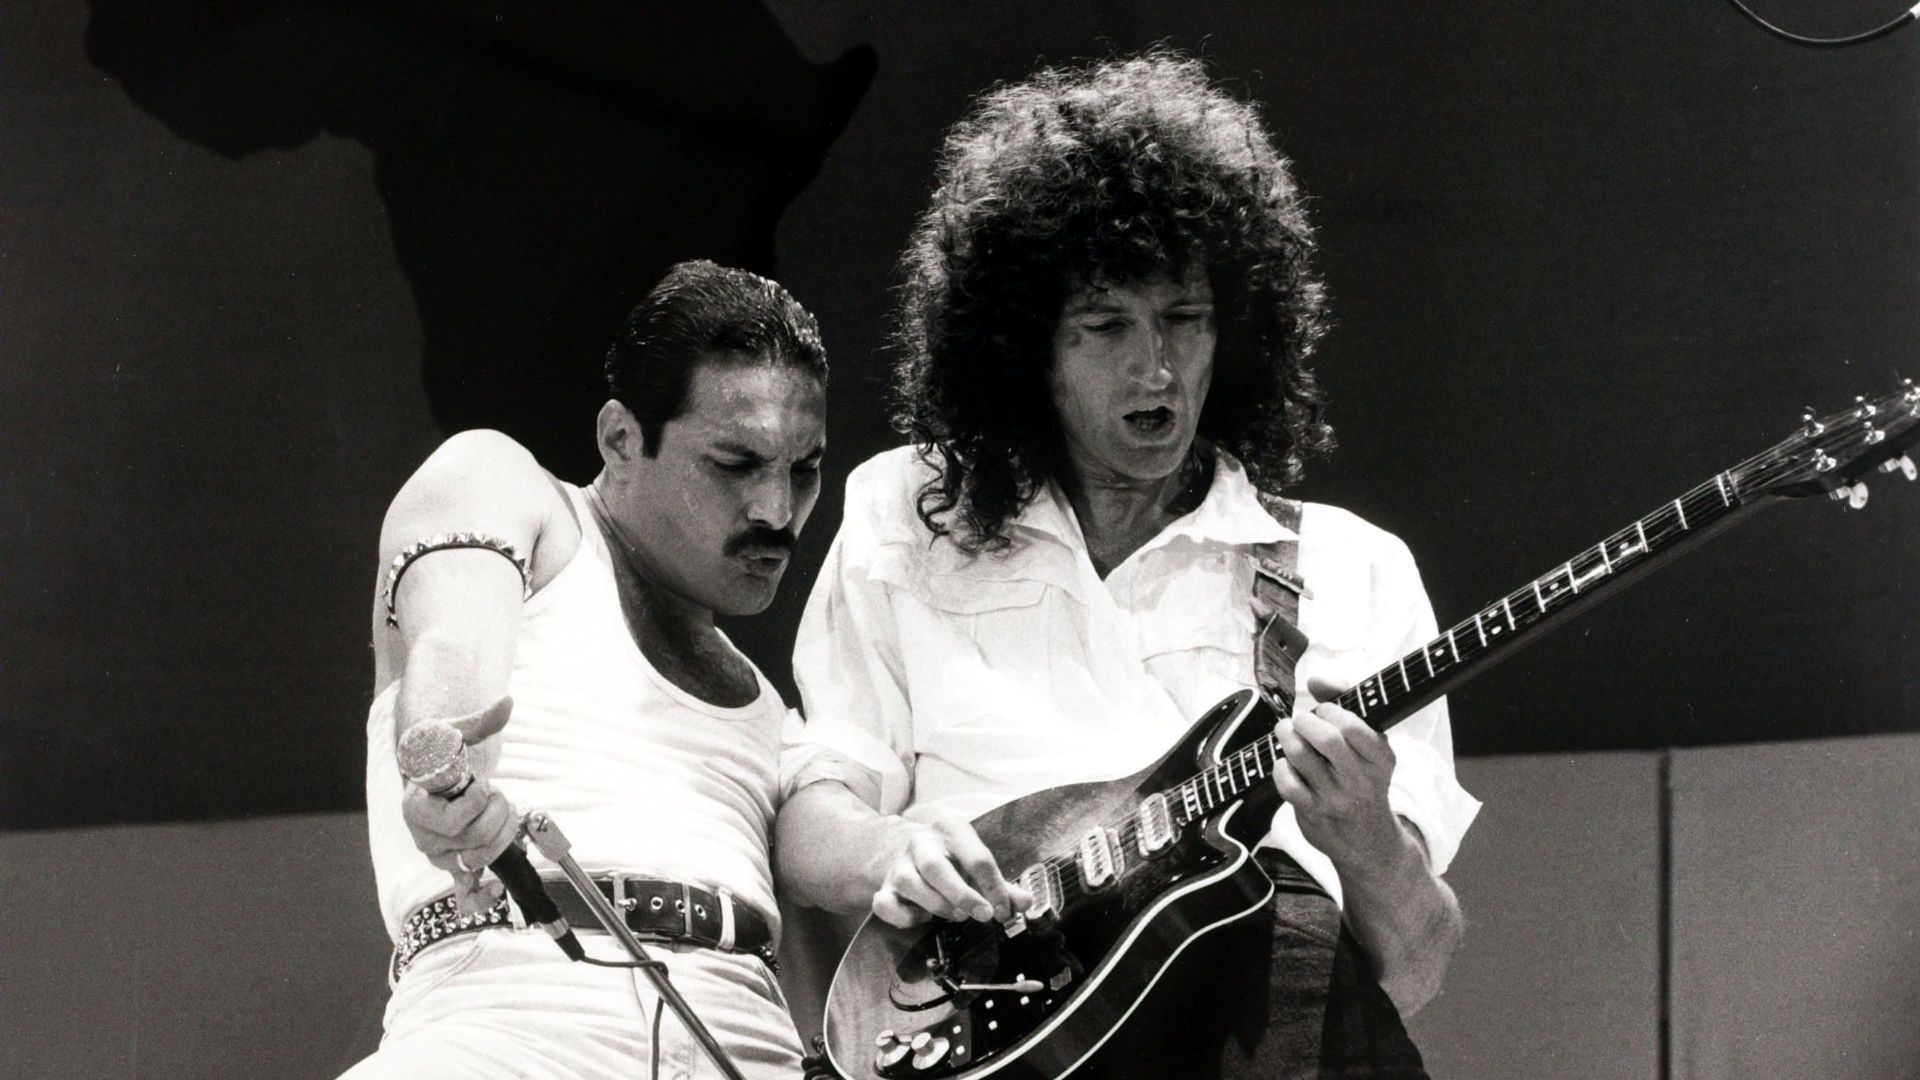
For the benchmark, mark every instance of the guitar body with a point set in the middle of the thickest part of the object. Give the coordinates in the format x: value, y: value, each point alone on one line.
x: 1093, y: 960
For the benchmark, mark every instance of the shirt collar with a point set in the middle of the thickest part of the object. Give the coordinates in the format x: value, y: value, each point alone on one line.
x: 1231, y: 513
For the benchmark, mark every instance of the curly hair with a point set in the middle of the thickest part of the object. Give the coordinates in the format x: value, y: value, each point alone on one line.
x: 1122, y: 171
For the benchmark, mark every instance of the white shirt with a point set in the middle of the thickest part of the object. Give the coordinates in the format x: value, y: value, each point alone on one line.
x: 935, y: 683
x: 641, y: 776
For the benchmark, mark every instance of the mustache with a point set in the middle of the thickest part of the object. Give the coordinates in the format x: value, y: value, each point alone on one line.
x: 761, y: 537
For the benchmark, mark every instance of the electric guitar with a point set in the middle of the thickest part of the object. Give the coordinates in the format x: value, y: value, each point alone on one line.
x: 1125, y: 873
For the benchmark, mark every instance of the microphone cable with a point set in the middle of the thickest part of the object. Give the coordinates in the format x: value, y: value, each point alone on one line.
x: 659, y: 1005
x: 1826, y: 43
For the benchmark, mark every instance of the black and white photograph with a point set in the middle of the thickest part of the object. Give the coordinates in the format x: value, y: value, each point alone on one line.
x: 850, y: 540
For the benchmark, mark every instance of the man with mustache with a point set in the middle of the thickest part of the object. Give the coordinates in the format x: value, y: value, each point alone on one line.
x: 1103, y: 332
x: 569, y: 633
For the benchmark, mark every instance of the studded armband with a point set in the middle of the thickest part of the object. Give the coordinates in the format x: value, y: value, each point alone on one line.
x: 446, y: 542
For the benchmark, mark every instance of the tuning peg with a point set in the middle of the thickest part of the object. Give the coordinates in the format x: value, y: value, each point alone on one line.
x: 1813, y: 425
x: 1854, y: 494
x: 1862, y: 407
x: 1902, y: 465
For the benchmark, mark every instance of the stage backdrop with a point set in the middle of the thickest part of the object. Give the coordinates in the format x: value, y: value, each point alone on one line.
x: 256, y: 259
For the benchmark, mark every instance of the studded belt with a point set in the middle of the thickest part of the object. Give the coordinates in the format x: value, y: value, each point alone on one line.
x: 438, y: 920
x: 667, y: 911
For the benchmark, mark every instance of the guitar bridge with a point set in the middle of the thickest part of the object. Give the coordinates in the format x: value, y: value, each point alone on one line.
x: 985, y: 1018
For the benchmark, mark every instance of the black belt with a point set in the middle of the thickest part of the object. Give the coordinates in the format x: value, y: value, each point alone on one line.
x: 671, y: 911
x: 663, y: 911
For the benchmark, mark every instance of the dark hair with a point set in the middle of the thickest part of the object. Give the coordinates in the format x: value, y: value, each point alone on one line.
x: 702, y: 311
x: 1121, y: 171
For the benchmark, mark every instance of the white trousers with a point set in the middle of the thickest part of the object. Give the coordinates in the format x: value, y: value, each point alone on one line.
x: 505, y: 1003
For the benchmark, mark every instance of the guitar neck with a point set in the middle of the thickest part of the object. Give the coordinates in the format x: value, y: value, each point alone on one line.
x: 1494, y: 633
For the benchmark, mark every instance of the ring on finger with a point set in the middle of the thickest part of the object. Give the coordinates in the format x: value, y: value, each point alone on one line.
x: 461, y: 859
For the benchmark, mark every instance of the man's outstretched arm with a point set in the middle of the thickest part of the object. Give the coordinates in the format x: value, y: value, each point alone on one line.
x: 455, y: 613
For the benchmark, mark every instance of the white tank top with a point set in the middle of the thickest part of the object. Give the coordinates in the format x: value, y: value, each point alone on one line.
x: 642, y: 777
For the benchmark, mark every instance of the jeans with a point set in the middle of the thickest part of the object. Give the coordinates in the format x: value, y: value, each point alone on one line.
x: 1284, y: 994
x: 505, y: 1003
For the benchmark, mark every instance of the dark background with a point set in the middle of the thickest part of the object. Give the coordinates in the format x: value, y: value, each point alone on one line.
x: 257, y: 258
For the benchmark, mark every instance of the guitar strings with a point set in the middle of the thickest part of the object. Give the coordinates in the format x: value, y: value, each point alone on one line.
x: 1217, y: 784
x: 1763, y: 469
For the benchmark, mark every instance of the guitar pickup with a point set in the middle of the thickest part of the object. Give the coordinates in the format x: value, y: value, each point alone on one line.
x: 1040, y: 885
x: 1099, y: 861
x: 1156, y: 824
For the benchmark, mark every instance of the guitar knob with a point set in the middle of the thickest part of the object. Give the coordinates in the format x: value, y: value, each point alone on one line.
x: 930, y: 1054
x: 1855, y: 495
x: 892, y: 1052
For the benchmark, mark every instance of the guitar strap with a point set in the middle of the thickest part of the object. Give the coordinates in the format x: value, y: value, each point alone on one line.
x: 1277, y: 589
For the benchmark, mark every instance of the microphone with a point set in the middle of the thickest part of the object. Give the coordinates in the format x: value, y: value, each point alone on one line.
x: 433, y: 754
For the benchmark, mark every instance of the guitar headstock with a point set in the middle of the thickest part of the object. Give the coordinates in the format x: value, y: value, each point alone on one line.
x: 1833, y: 453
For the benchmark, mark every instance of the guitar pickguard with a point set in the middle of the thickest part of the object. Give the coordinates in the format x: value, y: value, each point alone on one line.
x: 979, y: 990
x: 1033, y: 998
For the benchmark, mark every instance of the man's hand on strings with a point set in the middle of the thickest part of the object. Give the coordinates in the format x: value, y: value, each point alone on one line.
x: 1335, y: 776
x: 943, y: 869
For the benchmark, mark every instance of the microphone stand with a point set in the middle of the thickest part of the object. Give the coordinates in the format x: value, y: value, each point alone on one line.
x: 546, y: 836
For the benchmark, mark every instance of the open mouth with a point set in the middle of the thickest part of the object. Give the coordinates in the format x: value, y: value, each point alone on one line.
x: 1154, y: 421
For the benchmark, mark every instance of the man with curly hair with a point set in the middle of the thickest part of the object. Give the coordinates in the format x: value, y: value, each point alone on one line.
x: 1104, y: 331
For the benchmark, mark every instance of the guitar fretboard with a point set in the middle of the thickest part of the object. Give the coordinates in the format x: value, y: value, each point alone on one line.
x: 1392, y: 694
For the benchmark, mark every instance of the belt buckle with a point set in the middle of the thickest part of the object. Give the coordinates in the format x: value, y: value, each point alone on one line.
x: 624, y: 904
x: 686, y: 910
